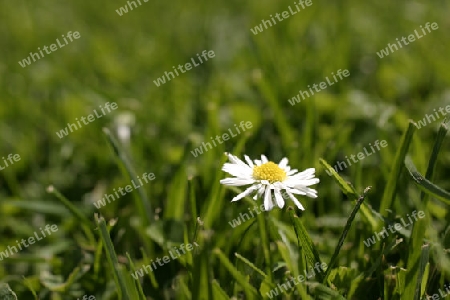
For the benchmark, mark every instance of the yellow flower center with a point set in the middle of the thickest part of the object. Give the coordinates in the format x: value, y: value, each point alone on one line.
x: 269, y: 171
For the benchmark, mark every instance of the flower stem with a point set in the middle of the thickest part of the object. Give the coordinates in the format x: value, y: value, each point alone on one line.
x: 265, y: 242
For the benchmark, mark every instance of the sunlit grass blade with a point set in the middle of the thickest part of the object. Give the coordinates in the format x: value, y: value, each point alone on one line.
x: 250, y: 264
x: 130, y: 284
x: 249, y: 290
x: 136, y: 282
x: 143, y: 204
x: 151, y: 275
x: 192, y: 203
x: 201, y: 277
x: 402, y: 150
x: 33, y: 259
x: 350, y: 191
x: 209, y: 211
x: 420, y: 226
x: 323, y: 292
x: 344, y: 233
x: 30, y: 286
x: 263, y: 224
x: 368, y: 273
x: 176, y: 195
x: 98, y: 257
x: 218, y: 292
x: 346, y: 188
x: 442, y: 132
x: 305, y: 242
x: 43, y: 207
x: 424, y: 257
x: 215, y: 199
x: 288, y: 252
x: 63, y: 287
x: 425, y: 185
x: 6, y: 293
x: 112, y: 259
x: 85, y: 223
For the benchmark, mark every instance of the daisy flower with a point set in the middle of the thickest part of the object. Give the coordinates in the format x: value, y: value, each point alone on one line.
x: 266, y: 176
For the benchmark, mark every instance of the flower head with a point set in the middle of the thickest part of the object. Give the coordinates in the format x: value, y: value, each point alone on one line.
x: 266, y: 176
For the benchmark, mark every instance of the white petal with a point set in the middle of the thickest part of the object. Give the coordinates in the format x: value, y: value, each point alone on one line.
x: 299, y: 205
x: 303, y: 190
x: 268, y: 204
x: 236, y: 181
x: 312, y: 193
x: 306, y: 174
x: 249, y: 161
x: 307, y: 182
x: 283, y: 163
x: 245, y: 193
x: 291, y: 172
x: 303, y: 179
x: 298, y: 178
x: 295, y: 191
x: 237, y: 170
x: 279, y: 198
x: 261, y: 190
x: 264, y: 159
x: 237, y: 161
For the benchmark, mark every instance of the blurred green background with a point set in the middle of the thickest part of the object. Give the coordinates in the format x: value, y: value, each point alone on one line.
x: 251, y: 78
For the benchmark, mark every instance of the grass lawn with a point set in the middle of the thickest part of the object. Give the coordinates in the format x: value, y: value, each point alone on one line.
x: 116, y: 119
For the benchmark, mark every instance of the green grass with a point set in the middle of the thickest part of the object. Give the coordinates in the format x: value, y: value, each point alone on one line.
x: 250, y: 79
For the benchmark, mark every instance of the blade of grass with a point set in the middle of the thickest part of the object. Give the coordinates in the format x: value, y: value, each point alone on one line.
x: 112, y: 259
x: 442, y: 132
x: 151, y: 275
x: 6, y: 293
x: 200, y: 277
x: 249, y: 290
x: 265, y: 243
x: 348, y: 190
x: 218, y: 292
x: 304, y: 241
x: 423, y: 263
x: 425, y: 185
x: 250, y: 264
x: 136, y: 282
x: 63, y: 287
x: 142, y: 203
x: 375, y: 265
x: 192, y: 203
x: 420, y: 226
x: 85, y: 223
x: 98, y: 257
x: 344, y: 233
x: 389, y: 191
x: 323, y: 292
x: 215, y: 198
x: 176, y: 195
x: 130, y: 283
x: 29, y: 285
